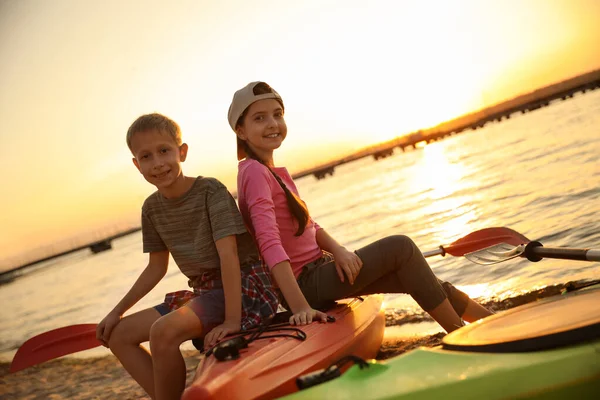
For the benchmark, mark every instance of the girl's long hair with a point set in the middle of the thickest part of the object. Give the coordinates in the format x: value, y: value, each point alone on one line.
x: 296, y: 206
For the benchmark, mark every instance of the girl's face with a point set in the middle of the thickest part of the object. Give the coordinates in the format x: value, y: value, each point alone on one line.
x: 263, y: 128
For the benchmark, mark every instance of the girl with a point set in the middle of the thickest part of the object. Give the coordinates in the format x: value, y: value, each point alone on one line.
x: 197, y: 221
x: 310, y: 267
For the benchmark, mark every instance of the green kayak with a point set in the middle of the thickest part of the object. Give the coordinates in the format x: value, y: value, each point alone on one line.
x: 549, y: 349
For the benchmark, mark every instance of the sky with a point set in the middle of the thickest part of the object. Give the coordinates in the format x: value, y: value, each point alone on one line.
x: 75, y: 74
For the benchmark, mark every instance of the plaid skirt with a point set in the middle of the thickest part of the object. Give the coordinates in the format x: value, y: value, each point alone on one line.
x: 259, y: 297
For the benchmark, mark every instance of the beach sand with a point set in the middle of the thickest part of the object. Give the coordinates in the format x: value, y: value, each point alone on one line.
x: 104, y: 378
x: 76, y: 378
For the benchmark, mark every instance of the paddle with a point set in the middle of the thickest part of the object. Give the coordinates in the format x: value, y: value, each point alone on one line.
x: 533, y: 251
x: 54, y: 344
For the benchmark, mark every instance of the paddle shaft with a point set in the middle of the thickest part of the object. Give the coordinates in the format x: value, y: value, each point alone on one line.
x: 534, y: 251
x: 437, y: 252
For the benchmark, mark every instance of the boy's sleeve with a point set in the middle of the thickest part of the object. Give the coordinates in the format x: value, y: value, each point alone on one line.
x: 224, y: 215
x: 256, y: 186
x: 150, y: 238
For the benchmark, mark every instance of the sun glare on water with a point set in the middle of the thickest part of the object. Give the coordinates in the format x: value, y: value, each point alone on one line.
x: 436, y: 178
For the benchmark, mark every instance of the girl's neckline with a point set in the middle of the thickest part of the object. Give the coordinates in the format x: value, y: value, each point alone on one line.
x: 248, y: 160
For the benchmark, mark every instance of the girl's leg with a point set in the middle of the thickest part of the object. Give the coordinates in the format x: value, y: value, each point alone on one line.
x: 166, y: 335
x: 125, y: 342
x: 446, y: 316
x: 468, y: 309
x: 475, y: 311
x: 459, y: 300
x: 415, y: 277
x: 391, y: 265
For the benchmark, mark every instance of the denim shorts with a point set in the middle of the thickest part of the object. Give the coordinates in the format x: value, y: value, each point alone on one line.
x: 208, y: 305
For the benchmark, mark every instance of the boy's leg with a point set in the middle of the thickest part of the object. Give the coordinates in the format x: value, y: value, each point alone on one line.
x: 166, y: 335
x: 125, y: 342
x: 194, y: 320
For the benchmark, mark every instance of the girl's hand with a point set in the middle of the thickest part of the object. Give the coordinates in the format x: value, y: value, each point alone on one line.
x: 347, y: 262
x: 106, y: 326
x: 305, y: 317
x: 219, y: 332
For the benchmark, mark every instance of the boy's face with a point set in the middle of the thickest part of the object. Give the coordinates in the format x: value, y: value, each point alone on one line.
x: 158, y: 158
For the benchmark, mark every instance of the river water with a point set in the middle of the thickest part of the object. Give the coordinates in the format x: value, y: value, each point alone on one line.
x: 537, y: 173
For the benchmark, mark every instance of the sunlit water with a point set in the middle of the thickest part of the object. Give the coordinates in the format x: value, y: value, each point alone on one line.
x: 537, y: 173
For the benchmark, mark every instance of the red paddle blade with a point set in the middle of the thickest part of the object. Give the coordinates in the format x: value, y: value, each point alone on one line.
x: 484, y: 238
x: 56, y: 343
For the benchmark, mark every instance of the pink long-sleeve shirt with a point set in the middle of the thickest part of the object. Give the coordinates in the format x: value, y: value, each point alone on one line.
x: 265, y: 211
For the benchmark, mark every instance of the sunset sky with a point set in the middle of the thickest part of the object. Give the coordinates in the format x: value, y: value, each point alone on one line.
x: 75, y: 74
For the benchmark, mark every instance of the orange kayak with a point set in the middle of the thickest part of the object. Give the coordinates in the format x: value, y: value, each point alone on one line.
x: 267, y: 368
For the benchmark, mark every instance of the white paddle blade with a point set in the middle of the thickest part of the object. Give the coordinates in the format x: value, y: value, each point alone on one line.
x: 495, y: 254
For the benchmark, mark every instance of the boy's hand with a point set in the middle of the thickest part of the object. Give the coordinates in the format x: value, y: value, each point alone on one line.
x: 347, y: 262
x: 219, y: 332
x: 106, y: 326
x: 305, y: 317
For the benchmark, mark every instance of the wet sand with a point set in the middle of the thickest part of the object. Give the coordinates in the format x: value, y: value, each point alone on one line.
x: 104, y: 378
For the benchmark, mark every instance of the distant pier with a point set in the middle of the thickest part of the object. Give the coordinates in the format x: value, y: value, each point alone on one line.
x: 101, y: 246
x: 473, y: 121
x: 95, y: 247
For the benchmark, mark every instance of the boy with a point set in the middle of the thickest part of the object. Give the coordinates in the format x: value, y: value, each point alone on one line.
x: 197, y: 221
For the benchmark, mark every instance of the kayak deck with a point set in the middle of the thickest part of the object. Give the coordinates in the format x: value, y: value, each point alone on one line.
x: 268, y: 367
x: 436, y: 374
x: 548, y: 349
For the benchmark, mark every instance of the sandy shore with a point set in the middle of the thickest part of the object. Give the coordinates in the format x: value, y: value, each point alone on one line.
x: 74, y: 378
x: 104, y: 378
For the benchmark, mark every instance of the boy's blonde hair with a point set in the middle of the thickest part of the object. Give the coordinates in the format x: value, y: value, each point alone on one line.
x: 157, y: 122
